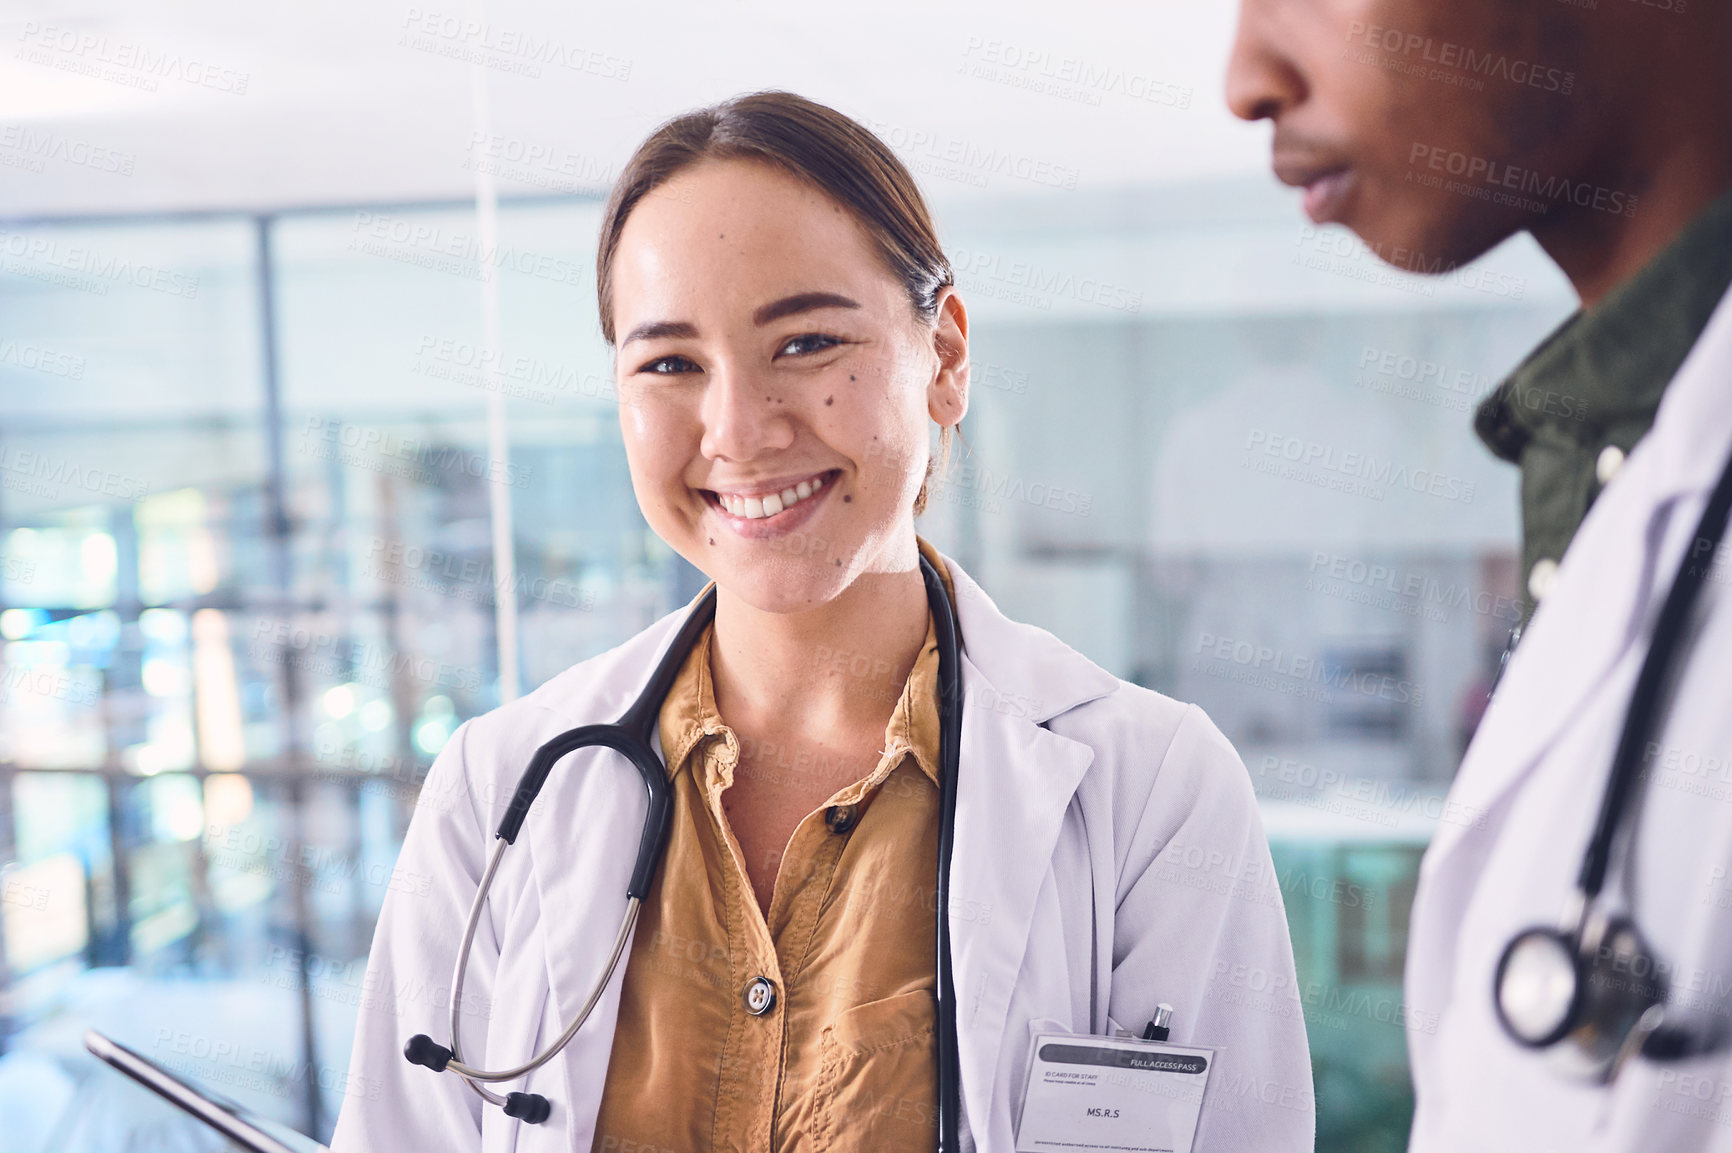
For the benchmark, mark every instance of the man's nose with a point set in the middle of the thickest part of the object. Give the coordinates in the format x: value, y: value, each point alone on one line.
x: 744, y: 416
x: 1262, y: 79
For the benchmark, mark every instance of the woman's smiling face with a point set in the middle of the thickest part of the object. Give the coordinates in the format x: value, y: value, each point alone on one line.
x: 775, y: 383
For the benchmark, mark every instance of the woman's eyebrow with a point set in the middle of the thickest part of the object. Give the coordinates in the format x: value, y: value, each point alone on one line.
x: 658, y: 329
x: 798, y: 303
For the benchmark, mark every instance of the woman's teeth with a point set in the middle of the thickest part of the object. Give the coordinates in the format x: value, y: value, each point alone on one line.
x: 757, y: 508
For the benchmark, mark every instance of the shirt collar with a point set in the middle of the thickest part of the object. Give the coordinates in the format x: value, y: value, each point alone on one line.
x: 1609, y: 365
x: 689, y: 711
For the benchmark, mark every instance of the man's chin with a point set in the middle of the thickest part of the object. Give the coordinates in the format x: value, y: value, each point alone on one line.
x: 1428, y: 245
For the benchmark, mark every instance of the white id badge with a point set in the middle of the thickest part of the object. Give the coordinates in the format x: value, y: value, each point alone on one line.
x: 1111, y: 1093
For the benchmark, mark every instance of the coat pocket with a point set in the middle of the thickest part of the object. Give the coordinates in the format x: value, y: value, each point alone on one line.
x: 878, y: 1077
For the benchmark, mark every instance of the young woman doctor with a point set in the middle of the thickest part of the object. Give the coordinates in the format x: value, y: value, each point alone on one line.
x: 787, y: 331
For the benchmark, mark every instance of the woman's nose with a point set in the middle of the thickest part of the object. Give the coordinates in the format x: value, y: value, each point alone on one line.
x: 745, y: 415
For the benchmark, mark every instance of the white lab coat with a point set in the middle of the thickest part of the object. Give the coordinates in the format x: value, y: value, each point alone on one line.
x: 1529, y: 790
x: 1108, y: 856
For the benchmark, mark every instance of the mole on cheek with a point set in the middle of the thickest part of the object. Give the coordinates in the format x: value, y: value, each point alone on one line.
x: 712, y: 540
x: 829, y: 400
x: 847, y: 498
x: 850, y: 376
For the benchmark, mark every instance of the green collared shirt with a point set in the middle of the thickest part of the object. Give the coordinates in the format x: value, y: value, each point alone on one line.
x: 1596, y: 382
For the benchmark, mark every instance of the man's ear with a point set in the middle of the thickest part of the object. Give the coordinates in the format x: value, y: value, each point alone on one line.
x: 947, y: 396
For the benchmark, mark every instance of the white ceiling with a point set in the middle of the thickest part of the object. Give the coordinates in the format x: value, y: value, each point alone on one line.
x: 342, y: 104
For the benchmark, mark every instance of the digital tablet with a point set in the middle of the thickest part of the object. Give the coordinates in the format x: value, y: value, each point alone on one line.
x: 244, y: 1129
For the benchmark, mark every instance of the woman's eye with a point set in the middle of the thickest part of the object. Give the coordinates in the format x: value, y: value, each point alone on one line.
x: 807, y: 344
x: 669, y: 366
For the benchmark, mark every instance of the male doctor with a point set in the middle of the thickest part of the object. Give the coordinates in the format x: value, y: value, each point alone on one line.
x: 1435, y: 130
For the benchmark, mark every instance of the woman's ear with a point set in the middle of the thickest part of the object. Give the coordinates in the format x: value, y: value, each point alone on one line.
x: 947, y: 396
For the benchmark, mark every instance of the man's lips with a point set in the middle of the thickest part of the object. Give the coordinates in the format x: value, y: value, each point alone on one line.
x: 1326, y: 185
x: 1326, y: 196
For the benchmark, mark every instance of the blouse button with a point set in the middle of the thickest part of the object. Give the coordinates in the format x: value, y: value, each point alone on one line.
x: 841, y: 818
x: 760, y: 996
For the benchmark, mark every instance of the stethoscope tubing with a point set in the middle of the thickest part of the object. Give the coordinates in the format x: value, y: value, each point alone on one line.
x: 462, y: 967
x: 1644, y: 708
x: 949, y: 757
x: 473, y: 1074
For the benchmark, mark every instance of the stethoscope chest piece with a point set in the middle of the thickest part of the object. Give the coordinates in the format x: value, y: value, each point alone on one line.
x: 1589, y: 999
x: 1538, y: 987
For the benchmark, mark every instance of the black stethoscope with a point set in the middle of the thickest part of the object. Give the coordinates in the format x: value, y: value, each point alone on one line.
x: 631, y: 736
x: 1592, y: 982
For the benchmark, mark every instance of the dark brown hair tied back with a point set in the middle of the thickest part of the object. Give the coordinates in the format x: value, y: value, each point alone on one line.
x: 810, y: 141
